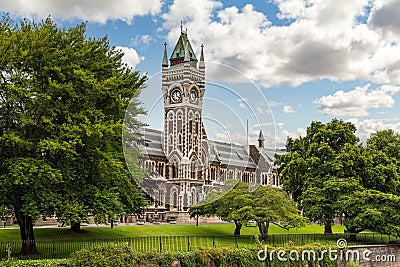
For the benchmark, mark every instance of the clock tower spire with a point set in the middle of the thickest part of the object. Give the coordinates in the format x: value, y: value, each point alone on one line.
x: 185, y: 142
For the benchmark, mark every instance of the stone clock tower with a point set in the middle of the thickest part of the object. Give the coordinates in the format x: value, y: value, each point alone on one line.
x: 183, y: 165
x: 184, y: 141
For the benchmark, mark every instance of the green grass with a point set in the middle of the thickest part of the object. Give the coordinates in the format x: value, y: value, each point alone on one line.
x: 157, y: 230
x: 61, y: 241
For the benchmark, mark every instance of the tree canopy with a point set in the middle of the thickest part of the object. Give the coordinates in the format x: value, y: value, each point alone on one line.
x: 330, y: 175
x: 62, y: 103
x: 264, y: 205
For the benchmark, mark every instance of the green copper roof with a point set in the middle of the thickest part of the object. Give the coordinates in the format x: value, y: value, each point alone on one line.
x: 179, y: 51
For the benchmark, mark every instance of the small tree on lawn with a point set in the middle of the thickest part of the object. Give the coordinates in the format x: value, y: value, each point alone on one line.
x: 264, y: 205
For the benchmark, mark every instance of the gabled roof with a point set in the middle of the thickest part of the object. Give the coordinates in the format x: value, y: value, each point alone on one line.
x: 227, y: 154
x: 230, y: 154
x: 151, y: 139
x: 269, y: 154
x: 179, y: 50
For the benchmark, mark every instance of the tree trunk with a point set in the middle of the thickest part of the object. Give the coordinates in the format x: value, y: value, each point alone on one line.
x: 263, y: 228
x: 238, y: 227
x: 76, y: 227
x: 27, y: 235
x: 328, y: 228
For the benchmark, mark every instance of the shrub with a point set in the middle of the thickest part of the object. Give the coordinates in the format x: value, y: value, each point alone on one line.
x: 110, y: 255
x: 212, y: 257
x: 123, y: 255
x: 352, y: 264
x: 243, y: 258
x: 33, y: 263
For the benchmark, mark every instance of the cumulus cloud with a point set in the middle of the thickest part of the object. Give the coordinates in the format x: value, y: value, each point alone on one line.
x: 288, y: 109
x: 91, y: 10
x: 131, y: 57
x: 142, y: 40
x: 357, y: 102
x: 385, y: 18
x: 322, y: 39
x: 366, y: 127
x: 284, y: 134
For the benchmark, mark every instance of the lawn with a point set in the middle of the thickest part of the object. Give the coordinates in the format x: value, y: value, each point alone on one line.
x: 157, y: 230
x: 60, y: 242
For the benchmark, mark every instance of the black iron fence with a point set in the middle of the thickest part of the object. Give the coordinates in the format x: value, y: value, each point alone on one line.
x: 62, y: 248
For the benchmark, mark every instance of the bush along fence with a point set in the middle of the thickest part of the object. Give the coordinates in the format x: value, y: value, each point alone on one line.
x: 53, y: 249
x: 113, y: 255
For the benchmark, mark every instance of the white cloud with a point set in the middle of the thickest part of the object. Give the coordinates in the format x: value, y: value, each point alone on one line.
x: 262, y: 109
x: 143, y: 40
x: 91, y: 10
x: 357, y: 102
x: 386, y: 19
x: 231, y: 137
x: 366, y: 127
x: 240, y: 137
x: 274, y: 104
x: 324, y: 39
x: 130, y: 57
x: 284, y: 134
x: 242, y: 103
x: 288, y: 109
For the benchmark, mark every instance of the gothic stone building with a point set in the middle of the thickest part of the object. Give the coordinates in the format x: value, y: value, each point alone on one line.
x: 183, y: 164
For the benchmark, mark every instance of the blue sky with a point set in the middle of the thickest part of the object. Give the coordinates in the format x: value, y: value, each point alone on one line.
x: 290, y: 62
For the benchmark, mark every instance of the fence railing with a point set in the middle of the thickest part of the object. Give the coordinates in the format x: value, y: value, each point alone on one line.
x: 62, y: 248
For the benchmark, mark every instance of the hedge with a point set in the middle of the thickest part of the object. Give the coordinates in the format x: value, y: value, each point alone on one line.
x: 123, y: 255
x: 115, y: 255
x: 34, y: 263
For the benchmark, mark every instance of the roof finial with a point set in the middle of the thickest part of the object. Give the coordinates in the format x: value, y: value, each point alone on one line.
x: 261, y: 139
x: 201, y: 64
x: 181, y: 26
x: 165, y: 58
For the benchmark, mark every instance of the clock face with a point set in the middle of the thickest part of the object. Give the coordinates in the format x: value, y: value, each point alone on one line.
x: 193, y: 96
x: 176, y: 96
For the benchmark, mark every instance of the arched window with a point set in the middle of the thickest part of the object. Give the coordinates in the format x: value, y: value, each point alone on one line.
x: 193, y: 168
x: 194, y: 200
x: 161, y: 196
x: 174, y: 169
x: 180, y: 142
x: 175, y: 199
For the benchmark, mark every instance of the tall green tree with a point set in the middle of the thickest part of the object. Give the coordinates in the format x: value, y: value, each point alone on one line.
x: 375, y: 206
x: 62, y: 103
x: 314, y: 170
x: 386, y: 141
x: 329, y: 175
x: 266, y: 205
x: 372, y: 210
